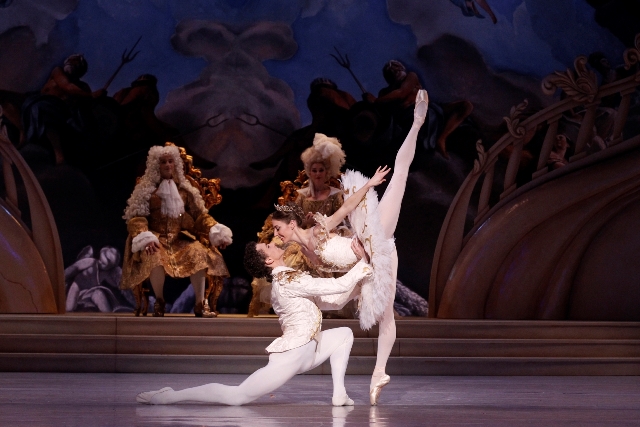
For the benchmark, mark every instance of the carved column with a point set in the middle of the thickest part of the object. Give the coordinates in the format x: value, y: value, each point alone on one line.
x: 586, y: 131
x: 621, y: 117
x: 485, y: 192
x: 547, y: 146
x: 10, y: 187
x: 512, y: 168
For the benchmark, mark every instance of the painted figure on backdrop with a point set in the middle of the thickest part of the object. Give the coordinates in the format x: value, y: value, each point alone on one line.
x: 374, y: 224
x: 396, y: 100
x: 138, y: 103
x: 169, y: 230
x: 469, y: 8
x: 329, y: 107
x: 296, y: 298
x: 54, y: 113
x: 92, y: 283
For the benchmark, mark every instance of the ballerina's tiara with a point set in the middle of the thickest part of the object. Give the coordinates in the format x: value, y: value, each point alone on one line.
x: 295, y: 209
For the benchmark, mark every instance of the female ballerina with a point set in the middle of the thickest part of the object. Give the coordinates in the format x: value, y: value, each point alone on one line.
x: 374, y: 224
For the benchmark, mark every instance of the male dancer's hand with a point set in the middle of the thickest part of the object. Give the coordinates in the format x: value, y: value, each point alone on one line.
x: 358, y: 249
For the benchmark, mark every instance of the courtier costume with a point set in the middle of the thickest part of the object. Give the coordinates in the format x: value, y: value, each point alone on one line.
x: 181, y: 252
x: 169, y: 214
x: 326, y: 207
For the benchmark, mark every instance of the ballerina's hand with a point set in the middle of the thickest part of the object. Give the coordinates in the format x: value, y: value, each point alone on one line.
x: 308, y: 219
x: 378, y: 177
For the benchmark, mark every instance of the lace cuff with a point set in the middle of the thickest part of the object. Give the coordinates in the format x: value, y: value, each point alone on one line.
x: 220, y: 234
x: 142, y: 240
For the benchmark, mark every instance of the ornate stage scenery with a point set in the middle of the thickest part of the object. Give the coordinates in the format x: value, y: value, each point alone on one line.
x: 517, y: 299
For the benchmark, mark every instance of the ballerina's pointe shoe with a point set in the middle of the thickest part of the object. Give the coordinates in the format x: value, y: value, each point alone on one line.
x: 422, y: 106
x: 374, y: 393
x: 342, y: 401
x: 146, y: 396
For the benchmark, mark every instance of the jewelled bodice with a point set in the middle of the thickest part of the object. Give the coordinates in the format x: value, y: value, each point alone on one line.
x: 334, y: 251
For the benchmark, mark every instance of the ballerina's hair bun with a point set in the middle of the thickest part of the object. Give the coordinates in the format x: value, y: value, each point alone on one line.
x: 289, y: 212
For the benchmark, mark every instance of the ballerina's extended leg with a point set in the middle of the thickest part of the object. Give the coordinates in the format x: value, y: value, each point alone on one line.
x: 391, y: 201
x: 389, y: 212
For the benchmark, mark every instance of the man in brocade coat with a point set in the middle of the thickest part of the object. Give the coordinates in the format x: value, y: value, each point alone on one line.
x: 171, y: 231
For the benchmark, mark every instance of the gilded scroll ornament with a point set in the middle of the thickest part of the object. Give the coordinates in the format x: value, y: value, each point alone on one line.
x: 632, y: 55
x: 513, y: 121
x: 581, y: 84
x: 289, y: 192
x: 209, y: 187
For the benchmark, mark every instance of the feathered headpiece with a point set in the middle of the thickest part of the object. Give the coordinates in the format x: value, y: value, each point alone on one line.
x: 327, y: 151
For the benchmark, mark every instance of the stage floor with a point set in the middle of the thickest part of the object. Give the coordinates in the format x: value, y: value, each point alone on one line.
x: 95, y: 400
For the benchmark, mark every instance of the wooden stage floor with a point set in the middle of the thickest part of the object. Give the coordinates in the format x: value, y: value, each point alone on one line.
x: 96, y: 400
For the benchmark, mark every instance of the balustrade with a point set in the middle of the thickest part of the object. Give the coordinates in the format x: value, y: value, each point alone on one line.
x: 582, y: 93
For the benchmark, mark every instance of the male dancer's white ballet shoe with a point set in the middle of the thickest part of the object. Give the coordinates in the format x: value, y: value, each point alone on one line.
x: 342, y: 401
x: 146, y: 396
x: 374, y: 393
x: 422, y: 107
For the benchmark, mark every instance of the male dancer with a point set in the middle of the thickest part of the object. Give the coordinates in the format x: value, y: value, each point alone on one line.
x: 302, y: 346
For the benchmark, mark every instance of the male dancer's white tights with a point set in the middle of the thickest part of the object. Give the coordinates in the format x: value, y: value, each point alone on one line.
x: 389, y: 208
x: 333, y: 344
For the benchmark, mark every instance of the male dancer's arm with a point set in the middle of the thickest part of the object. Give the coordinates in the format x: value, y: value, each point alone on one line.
x: 307, y: 286
x: 338, y: 301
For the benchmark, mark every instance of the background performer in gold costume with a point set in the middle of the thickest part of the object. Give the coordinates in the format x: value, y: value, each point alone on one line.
x: 169, y: 229
x: 322, y: 161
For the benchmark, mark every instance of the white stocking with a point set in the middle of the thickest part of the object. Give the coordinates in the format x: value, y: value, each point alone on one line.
x: 386, y: 332
x: 334, y: 344
x: 197, y: 281
x: 389, y: 208
x: 157, y: 281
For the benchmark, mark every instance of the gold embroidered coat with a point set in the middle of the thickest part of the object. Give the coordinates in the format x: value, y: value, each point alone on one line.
x: 326, y: 207
x: 184, y: 244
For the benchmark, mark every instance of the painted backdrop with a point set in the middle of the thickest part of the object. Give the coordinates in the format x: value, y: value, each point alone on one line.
x: 230, y: 81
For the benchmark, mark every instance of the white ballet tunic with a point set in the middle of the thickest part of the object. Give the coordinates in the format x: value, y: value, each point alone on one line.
x: 292, y: 296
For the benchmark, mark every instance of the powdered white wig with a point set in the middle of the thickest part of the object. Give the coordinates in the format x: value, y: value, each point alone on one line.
x: 138, y: 203
x: 327, y: 151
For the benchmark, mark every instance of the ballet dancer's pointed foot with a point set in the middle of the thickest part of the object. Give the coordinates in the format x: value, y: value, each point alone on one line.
x: 342, y: 401
x: 421, y: 108
x: 146, y: 396
x: 374, y: 393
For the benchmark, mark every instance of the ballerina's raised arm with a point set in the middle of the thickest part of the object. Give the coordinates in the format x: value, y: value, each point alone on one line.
x: 350, y: 204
